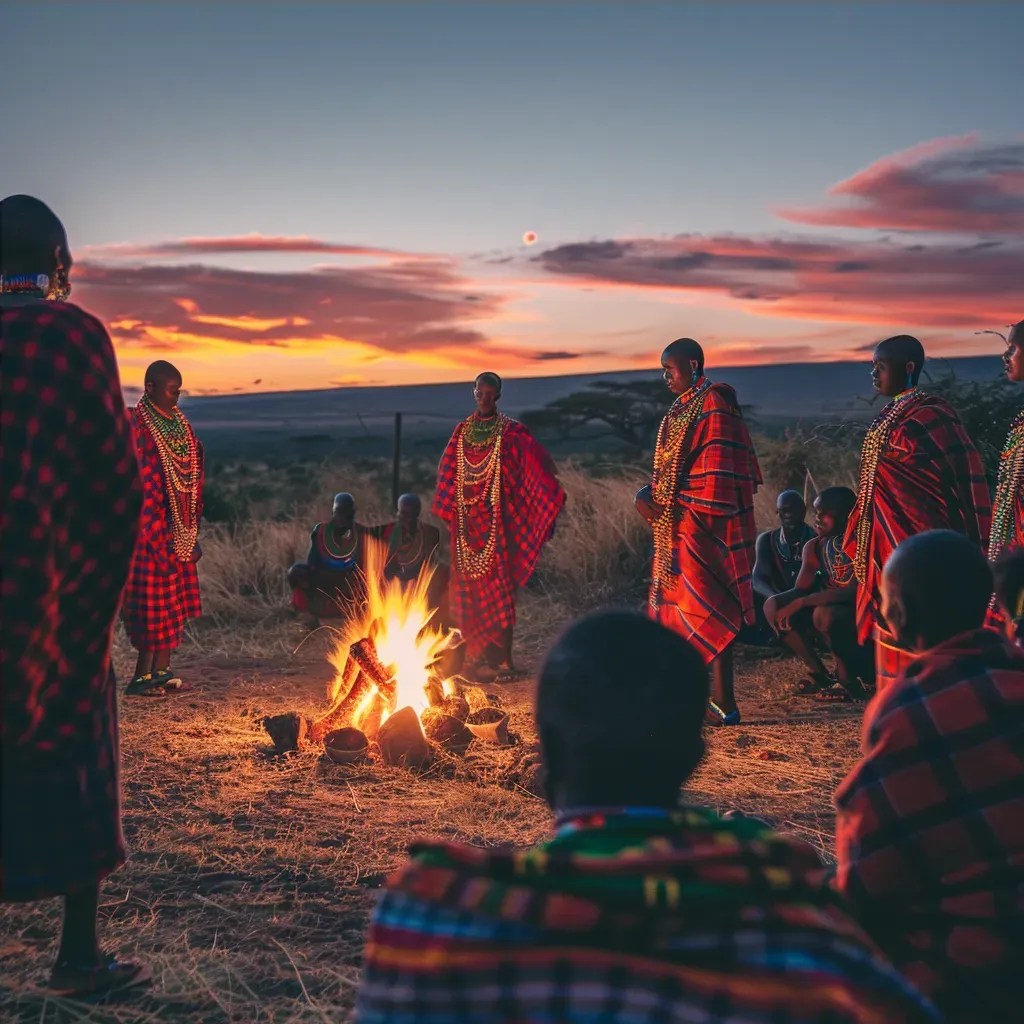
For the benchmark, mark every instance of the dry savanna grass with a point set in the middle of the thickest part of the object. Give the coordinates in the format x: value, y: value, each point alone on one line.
x: 253, y: 876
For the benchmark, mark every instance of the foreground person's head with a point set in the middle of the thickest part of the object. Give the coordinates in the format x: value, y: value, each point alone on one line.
x: 935, y: 586
x: 486, y: 393
x: 33, y: 243
x: 343, y: 514
x: 832, y: 510
x: 1013, y: 357
x: 683, y: 364
x: 896, y: 365
x: 620, y: 713
x: 1009, y: 589
x: 163, y: 385
x: 791, y: 509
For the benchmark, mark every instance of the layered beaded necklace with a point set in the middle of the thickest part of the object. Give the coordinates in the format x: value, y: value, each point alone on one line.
x: 1009, y: 486
x: 672, y: 434
x: 407, y: 552
x: 483, y: 480
x: 834, y: 563
x: 176, y: 446
x: 330, y: 532
x: 875, y: 442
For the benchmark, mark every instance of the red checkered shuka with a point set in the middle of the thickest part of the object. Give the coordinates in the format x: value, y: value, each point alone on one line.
x: 531, y: 500
x: 162, y: 592
x: 929, y: 477
x: 930, y: 827
x: 71, y: 499
x: 710, y: 595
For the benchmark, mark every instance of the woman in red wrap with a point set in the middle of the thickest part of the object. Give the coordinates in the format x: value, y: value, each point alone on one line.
x: 1008, y: 507
x: 163, y: 589
x: 498, y: 493
x: 919, y: 471
x: 69, y: 517
x: 701, y: 508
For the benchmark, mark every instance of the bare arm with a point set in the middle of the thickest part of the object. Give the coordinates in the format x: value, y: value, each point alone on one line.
x: 763, y: 586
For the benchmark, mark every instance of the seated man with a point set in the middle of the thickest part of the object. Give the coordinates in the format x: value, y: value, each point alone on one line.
x: 821, y: 606
x: 412, y: 546
x: 329, y: 580
x: 1009, y: 592
x: 930, y: 825
x: 777, y: 560
x: 638, y: 909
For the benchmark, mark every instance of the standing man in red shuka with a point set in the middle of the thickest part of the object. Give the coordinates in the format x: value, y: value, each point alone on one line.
x: 68, y: 519
x: 498, y: 493
x: 701, y: 508
x: 163, y: 589
x: 919, y: 471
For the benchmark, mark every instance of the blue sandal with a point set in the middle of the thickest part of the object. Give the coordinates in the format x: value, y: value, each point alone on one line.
x: 717, y: 717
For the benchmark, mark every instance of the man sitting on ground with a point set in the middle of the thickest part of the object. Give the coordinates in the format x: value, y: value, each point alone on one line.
x: 1009, y: 592
x: 777, y: 559
x: 821, y: 605
x: 411, y: 547
x: 330, y: 581
x: 930, y: 826
x: 638, y: 910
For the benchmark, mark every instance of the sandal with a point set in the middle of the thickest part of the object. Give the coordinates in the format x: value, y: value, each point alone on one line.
x: 146, y: 686
x: 811, y: 685
x: 715, y: 716
x: 108, y: 976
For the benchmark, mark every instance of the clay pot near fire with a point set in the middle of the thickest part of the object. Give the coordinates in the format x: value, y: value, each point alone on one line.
x: 346, y: 746
x: 489, y: 725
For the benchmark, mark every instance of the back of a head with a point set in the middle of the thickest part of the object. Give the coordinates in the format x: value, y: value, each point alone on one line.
x: 941, y: 584
x: 620, y: 711
x: 30, y: 234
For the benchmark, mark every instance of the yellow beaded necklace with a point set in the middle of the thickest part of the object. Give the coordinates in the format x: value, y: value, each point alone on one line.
x: 672, y: 435
x: 1008, y: 488
x: 484, y: 479
x: 178, y: 452
x: 875, y: 442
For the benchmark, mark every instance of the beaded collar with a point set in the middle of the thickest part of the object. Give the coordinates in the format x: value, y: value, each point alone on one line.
x: 1008, y: 487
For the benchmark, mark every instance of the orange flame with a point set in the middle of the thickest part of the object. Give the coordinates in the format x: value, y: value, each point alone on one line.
x: 397, y: 618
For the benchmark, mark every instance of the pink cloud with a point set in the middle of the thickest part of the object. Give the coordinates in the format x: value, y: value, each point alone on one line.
x: 252, y: 243
x: 831, y: 281
x: 946, y: 185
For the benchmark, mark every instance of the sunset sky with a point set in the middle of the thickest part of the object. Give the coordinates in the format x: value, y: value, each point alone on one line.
x: 297, y: 196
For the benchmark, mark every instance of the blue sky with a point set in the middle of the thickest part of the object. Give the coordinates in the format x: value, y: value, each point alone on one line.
x: 450, y: 129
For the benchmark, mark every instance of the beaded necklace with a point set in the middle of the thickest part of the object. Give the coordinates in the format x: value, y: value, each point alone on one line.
x: 177, y: 449
x: 875, y: 442
x: 1009, y: 486
x: 673, y: 432
x: 25, y: 284
x: 481, y: 430
x: 836, y: 566
x: 329, y: 532
x: 483, y: 478
x: 401, y: 545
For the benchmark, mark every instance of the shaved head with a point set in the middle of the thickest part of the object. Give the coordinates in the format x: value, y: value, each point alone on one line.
x: 492, y: 380
x: 161, y: 371
x: 935, y: 586
x: 898, y: 362
x: 683, y: 351
x: 31, y: 235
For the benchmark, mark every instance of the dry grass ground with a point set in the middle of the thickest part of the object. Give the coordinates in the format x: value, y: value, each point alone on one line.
x: 252, y: 877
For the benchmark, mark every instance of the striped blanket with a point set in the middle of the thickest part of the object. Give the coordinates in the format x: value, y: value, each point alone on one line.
x: 636, y: 916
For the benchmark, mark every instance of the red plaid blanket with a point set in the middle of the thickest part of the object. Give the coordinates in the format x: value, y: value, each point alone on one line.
x: 930, y: 827
x: 715, y: 530
x: 70, y: 512
x: 930, y: 477
x: 531, y: 499
x: 162, y: 592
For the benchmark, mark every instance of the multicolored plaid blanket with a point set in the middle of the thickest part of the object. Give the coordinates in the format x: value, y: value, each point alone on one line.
x: 636, y: 916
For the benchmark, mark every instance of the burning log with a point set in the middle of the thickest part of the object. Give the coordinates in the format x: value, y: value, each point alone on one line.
x: 364, y: 654
x: 402, y: 741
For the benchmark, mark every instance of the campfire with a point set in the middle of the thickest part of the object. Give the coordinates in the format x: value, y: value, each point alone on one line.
x: 396, y: 685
